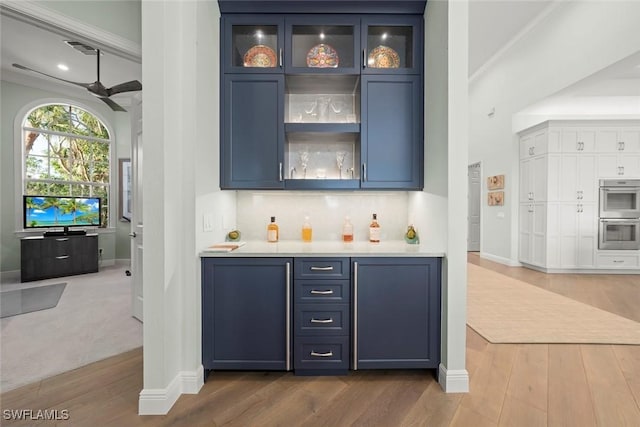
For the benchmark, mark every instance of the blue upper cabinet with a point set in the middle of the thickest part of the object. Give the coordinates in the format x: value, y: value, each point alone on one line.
x: 252, y: 131
x: 392, y: 44
x: 391, y: 132
x: 322, y: 44
x: 253, y: 44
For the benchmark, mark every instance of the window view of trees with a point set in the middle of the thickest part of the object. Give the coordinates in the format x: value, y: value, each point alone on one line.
x: 67, y: 153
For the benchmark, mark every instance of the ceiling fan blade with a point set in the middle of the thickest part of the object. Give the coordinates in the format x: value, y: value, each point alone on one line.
x: 22, y: 67
x: 112, y: 104
x: 131, y: 86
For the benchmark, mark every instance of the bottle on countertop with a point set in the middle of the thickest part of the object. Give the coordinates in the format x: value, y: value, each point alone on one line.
x: 374, y: 230
x: 272, y: 231
x: 347, y: 230
x: 307, y: 231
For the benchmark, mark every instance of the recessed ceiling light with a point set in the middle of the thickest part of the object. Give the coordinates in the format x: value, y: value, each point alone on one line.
x: 63, y: 67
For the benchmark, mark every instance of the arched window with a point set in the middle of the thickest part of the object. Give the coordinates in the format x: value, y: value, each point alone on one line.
x: 66, y: 152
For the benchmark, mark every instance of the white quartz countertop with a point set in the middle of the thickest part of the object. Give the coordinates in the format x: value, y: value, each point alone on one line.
x: 395, y: 248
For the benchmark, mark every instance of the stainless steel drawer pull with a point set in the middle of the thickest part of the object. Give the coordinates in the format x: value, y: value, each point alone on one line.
x: 329, y: 320
x: 329, y: 268
x: 62, y: 240
x: 327, y: 354
x: 62, y: 257
x: 314, y: 292
x: 618, y: 260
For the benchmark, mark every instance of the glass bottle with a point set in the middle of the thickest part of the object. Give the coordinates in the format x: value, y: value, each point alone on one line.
x: 306, y: 230
x: 272, y: 230
x: 374, y: 230
x: 347, y: 230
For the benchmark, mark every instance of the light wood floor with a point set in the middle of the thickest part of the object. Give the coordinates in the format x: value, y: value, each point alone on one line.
x: 511, y: 384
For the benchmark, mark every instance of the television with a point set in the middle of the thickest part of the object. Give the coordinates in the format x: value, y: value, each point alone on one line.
x: 61, y: 211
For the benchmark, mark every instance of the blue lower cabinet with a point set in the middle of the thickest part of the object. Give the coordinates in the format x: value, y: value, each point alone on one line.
x: 246, y: 316
x: 396, y: 313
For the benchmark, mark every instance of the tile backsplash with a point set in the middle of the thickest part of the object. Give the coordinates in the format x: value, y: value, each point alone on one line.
x: 326, y: 211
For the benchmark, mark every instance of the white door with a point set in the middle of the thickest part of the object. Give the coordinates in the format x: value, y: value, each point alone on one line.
x: 136, y: 214
x: 473, y: 218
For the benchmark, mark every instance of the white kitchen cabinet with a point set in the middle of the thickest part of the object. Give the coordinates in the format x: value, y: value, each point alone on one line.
x: 579, y: 182
x: 578, y: 235
x: 578, y: 140
x: 532, y: 233
x: 533, y: 179
x: 560, y: 165
x: 618, y: 259
x: 618, y: 140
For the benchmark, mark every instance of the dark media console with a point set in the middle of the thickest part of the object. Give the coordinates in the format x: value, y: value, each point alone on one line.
x: 65, y: 232
x: 57, y: 255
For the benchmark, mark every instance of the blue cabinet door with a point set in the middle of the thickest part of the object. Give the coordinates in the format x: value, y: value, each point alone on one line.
x: 396, y: 313
x: 392, y: 132
x: 252, y: 44
x: 252, y: 142
x: 246, y: 316
x: 392, y: 44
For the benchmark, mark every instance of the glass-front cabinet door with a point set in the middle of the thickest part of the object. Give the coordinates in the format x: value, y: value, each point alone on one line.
x: 322, y: 44
x: 392, y: 45
x: 253, y: 44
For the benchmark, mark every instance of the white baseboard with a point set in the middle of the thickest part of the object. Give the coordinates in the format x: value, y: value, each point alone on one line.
x: 499, y: 259
x: 453, y: 380
x: 158, y: 401
x: 10, y: 276
x: 126, y: 262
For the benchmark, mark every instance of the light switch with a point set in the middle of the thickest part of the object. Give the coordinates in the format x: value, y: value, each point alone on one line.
x: 207, y: 222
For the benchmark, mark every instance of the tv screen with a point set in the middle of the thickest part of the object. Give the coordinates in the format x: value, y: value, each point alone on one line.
x: 61, y: 211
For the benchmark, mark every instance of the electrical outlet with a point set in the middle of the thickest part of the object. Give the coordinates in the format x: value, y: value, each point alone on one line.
x: 207, y: 222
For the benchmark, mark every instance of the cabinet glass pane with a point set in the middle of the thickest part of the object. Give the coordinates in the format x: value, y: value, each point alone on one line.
x: 316, y: 155
x: 390, y: 47
x: 255, y: 46
x: 322, y: 46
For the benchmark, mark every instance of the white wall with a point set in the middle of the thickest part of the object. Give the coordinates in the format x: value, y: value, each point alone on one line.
x: 14, y: 99
x: 575, y: 41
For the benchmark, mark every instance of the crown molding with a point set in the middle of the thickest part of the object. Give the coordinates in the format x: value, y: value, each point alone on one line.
x: 51, y: 20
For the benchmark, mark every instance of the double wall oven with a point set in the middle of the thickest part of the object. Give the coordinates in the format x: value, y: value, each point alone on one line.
x: 619, y: 218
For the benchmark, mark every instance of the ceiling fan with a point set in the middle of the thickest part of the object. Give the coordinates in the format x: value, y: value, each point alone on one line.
x: 97, y: 88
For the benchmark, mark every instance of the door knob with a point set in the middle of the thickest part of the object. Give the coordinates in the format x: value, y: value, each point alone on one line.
x: 133, y: 234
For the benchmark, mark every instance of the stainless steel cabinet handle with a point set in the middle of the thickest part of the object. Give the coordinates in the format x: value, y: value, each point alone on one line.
x: 314, y: 292
x: 364, y: 171
x: 329, y: 320
x: 327, y: 354
x: 62, y: 240
x: 364, y: 58
x: 62, y: 257
x: 314, y: 268
x: 288, y: 317
x: 355, y: 316
x: 618, y: 260
x: 280, y: 58
x: 280, y: 171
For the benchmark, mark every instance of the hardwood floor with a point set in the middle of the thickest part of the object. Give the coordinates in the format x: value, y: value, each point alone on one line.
x: 511, y: 384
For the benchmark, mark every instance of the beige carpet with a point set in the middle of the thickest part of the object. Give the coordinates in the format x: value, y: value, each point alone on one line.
x: 507, y: 310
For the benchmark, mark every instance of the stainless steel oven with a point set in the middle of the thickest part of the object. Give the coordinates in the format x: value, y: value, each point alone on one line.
x: 619, y: 198
x: 618, y: 233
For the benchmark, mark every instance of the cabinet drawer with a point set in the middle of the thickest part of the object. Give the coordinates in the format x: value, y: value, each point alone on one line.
x: 316, y: 291
x: 309, y: 268
x: 618, y: 261
x: 321, y: 353
x: 322, y: 319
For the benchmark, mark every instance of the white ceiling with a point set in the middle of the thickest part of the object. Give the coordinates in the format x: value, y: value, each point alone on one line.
x: 43, y: 50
